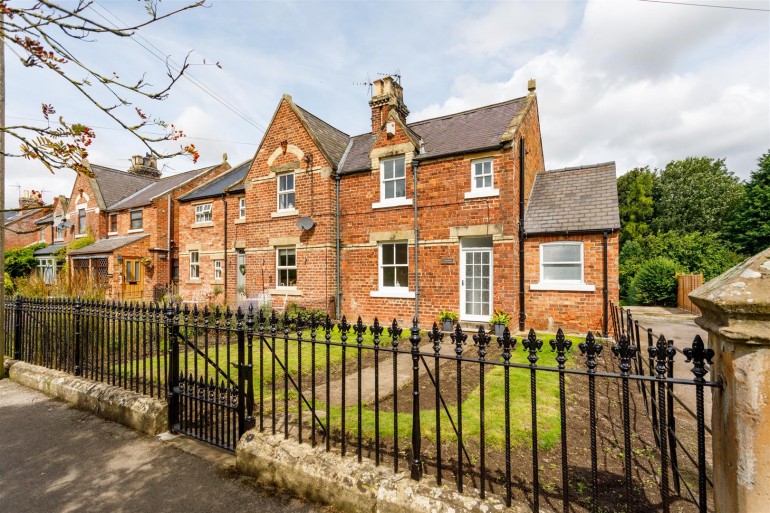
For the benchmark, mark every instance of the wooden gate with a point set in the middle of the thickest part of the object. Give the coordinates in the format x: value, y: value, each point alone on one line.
x: 686, y: 283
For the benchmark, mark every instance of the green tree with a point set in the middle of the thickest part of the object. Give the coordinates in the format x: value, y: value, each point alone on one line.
x: 636, y: 203
x: 21, y: 261
x: 750, y: 226
x: 655, y: 283
x: 697, y: 194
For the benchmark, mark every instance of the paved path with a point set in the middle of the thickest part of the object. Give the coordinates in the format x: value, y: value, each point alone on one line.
x: 56, y: 459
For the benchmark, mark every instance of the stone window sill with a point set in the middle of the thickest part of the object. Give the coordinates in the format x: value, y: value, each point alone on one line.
x: 395, y: 294
x: 482, y: 193
x: 240, y: 220
x: 110, y: 234
x: 207, y: 224
x: 285, y: 292
x: 80, y: 235
x: 563, y: 286
x: 285, y: 213
x: 400, y: 202
x: 136, y: 230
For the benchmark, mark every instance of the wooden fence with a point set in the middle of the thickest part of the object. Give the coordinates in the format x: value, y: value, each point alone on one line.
x: 686, y: 284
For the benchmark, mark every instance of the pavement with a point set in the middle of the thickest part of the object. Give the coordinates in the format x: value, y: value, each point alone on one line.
x: 57, y: 459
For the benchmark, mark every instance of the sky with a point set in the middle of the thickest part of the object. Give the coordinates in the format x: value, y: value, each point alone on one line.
x: 637, y: 82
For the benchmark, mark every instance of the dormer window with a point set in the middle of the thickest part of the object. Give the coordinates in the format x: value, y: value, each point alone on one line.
x: 392, y: 179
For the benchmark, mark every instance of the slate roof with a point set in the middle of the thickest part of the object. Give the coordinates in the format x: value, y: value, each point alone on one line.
x: 221, y: 184
x: 574, y: 199
x: 332, y: 140
x: 115, y: 185
x: 45, y: 220
x: 18, y: 215
x: 48, y: 250
x: 145, y: 195
x: 108, y: 245
x: 471, y: 130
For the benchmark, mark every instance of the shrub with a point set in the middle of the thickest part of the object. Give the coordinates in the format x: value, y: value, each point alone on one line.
x: 655, y: 283
x: 500, y: 317
x: 8, y: 285
x: 20, y: 261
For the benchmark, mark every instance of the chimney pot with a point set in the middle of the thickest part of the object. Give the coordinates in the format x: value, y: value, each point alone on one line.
x: 531, y: 85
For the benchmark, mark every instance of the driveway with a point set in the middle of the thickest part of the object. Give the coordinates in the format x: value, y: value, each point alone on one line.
x: 57, y: 459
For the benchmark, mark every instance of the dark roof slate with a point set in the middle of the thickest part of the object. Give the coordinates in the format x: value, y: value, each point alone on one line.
x: 108, y: 245
x: 45, y: 220
x: 332, y: 140
x: 574, y: 199
x: 115, y: 185
x: 145, y: 195
x: 223, y: 183
x: 48, y: 250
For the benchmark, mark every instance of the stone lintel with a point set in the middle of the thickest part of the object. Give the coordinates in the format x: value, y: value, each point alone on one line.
x: 407, y: 235
x: 479, y: 230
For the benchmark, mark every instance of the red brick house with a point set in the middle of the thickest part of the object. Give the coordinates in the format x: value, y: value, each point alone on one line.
x: 450, y: 213
x: 21, y: 227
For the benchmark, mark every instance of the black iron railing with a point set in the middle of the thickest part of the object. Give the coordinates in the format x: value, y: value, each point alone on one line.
x: 591, y: 424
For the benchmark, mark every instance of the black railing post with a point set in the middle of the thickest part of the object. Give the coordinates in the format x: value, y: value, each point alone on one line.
x: 78, y: 338
x: 241, y: 372
x: 172, y: 327
x: 416, y: 465
x: 698, y: 354
x: 250, y: 419
x: 17, y: 328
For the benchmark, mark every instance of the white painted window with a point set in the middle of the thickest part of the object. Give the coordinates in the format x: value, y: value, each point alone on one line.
x: 82, y: 220
x: 242, y: 208
x: 137, y: 222
x: 394, y: 266
x: 286, y: 191
x: 482, y: 175
x: 392, y: 179
x: 195, y: 266
x: 561, y: 262
x: 42, y: 234
x: 286, y: 267
x: 46, y: 269
x: 59, y: 229
x: 218, y: 267
x: 203, y: 213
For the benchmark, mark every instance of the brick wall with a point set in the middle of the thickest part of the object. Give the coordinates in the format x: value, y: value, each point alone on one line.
x: 14, y: 232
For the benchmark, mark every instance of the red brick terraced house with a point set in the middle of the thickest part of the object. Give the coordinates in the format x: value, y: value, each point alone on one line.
x: 452, y: 213
x: 21, y: 227
x: 131, y: 214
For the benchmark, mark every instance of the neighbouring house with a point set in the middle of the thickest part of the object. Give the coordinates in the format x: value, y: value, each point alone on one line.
x: 21, y: 227
x: 451, y: 213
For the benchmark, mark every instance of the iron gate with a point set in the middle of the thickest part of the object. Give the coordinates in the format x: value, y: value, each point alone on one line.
x: 210, y: 375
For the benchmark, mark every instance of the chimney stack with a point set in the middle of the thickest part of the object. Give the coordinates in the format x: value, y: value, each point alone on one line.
x: 144, y: 166
x: 31, y: 199
x: 387, y: 95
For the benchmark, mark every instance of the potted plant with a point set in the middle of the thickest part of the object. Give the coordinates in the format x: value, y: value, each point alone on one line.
x: 447, y: 319
x: 500, y: 320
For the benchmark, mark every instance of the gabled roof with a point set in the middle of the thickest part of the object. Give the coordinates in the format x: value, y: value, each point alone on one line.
x: 18, y: 215
x: 463, y: 132
x: 221, y: 184
x: 574, y: 199
x: 112, y: 185
x: 332, y: 140
x: 157, y: 188
x: 108, y: 245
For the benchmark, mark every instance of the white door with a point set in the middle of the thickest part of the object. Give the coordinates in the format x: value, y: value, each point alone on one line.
x: 240, y: 275
x: 476, y: 279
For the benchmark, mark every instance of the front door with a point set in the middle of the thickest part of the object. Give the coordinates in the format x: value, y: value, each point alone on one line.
x: 476, y: 279
x: 133, y: 279
x: 240, y: 273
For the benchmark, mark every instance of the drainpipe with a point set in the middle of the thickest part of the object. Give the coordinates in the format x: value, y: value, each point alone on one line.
x: 522, y: 235
x: 415, y: 168
x: 338, y: 306
x: 605, y: 314
x: 168, y: 245
x: 224, y: 205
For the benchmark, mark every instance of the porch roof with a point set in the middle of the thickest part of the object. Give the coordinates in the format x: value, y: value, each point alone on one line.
x: 48, y: 250
x: 108, y: 245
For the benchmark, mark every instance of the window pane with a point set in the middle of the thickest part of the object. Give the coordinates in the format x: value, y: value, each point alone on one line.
x: 390, y: 190
x: 291, y: 258
x: 399, y: 170
x: 479, y: 182
x: 488, y: 181
x: 561, y: 272
x: 561, y: 253
x: 388, y: 276
x: 400, y: 188
x: 387, y: 254
x: 387, y: 169
x: 401, y: 253
x: 476, y: 242
x: 402, y: 276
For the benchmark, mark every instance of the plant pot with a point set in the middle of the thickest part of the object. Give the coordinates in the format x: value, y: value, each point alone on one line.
x: 447, y: 325
x: 499, y: 329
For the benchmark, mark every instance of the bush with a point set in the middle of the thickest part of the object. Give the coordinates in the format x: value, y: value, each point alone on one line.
x: 8, y: 285
x: 20, y: 261
x: 655, y: 283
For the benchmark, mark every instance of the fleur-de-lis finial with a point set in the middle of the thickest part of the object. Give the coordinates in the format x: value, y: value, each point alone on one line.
x: 533, y: 345
x: 591, y: 349
x: 344, y: 327
x: 660, y: 352
x: 625, y: 351
x: 414, y: 336
x: 458, y: 339
x: 436, y: 336
x: 300, y: 323
x: 360, y: 329
x: 508, y: 343
x: 395, y: 332
x: 561, y: 345
x: 698, y: 354
x: 481, y: 340
x: 376, y: 330
x: 328, y: 325
x: 273, y: 323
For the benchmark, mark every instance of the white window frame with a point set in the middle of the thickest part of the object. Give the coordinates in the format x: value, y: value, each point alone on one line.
x: 241, y: 208
x: 392, y: 291
x: 218, y: 269
x: 482, y: 192
x: 131, y: 220
x: 46, y: 264
x: 279, y: 268
x: 58, y: 230
x: 110, y: 217
x: 82, y: 228
x: 286, y: 192
x: 195, y: 265
x: 469, y: 245
x: 565, y: 285
x: 42, y: 234
x: 383, y: 180
x: 203, y: 213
